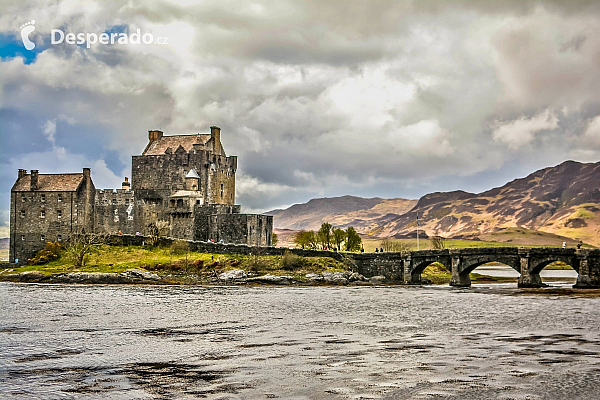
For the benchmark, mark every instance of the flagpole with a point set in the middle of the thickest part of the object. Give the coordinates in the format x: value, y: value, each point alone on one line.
x: 417, y: 231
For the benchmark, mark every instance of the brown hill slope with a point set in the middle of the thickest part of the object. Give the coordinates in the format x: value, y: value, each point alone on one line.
x: 563, y: 200
x: 341, y: 211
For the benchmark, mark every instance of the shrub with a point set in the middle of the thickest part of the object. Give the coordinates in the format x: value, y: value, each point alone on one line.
x: 438, y: 242
x: 290, y: 261
x: 50, y: 252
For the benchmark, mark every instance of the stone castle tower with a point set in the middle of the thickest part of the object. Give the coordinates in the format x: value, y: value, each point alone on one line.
x: 186, y: 180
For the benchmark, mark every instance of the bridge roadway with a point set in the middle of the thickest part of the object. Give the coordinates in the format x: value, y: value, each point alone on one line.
x: 529, y: 262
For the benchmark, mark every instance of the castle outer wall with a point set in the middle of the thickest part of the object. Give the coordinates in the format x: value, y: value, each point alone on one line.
x: 186, y: 181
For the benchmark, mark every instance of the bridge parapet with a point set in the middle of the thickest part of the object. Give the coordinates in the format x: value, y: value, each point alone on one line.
x: 474, y: 251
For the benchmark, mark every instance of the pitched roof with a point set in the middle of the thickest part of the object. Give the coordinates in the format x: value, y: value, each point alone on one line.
x: 192, y: 174
x: 50, y: 183
x: 160, y: 146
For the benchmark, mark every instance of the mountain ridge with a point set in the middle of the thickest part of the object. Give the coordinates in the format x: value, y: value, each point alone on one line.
x: 563, y: 200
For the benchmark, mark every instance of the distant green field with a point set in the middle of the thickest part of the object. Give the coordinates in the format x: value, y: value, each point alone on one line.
x: 508, y: 238
x: 425, y: 244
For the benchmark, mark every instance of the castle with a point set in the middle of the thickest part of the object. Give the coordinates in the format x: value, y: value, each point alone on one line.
x: 186, y: 180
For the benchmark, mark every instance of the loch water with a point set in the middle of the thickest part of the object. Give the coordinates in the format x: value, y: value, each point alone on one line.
x: 170, y: 342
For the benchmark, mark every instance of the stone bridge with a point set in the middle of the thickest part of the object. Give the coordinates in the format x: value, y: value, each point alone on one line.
x: 529, y: 262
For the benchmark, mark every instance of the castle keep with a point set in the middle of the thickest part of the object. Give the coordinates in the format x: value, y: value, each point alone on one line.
x: 186, y: 180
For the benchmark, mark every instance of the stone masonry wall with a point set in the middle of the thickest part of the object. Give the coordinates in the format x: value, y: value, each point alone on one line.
x: 115, y: 211
x: 38, y: 217
x: 30, y: 230
x: 167, y: 173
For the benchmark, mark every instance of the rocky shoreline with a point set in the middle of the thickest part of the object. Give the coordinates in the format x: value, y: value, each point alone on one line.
x: 233, y: 277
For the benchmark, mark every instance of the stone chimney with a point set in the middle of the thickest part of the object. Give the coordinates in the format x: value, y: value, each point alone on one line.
x: 154, y: 135
x: 87, y: 174
x: 22, y: 173
x: 34, y: 179
x: 215, y: 134
x: 126, y: 185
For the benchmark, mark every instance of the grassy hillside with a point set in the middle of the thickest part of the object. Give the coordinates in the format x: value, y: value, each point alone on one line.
x: 180, y: 268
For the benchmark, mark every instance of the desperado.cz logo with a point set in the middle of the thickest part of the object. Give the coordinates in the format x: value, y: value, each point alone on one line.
x: 57, y: 36
x: 26, y: 29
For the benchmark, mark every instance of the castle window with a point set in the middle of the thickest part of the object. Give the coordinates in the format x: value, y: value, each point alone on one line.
x: 197, y: 201
x: 114, y: 201
x: 179, y: 203
x: 59, y: 213
x: 221, y: 190
x: 172, y: 202
x: 43, y: 214
x: 23, y: 198
x: 126, y: 202
x: 43, y: 237
x: 59, y: 238
x: 22, y: 213
x: 59, y: 197
x: 43, y: 198
x: 23, y: 237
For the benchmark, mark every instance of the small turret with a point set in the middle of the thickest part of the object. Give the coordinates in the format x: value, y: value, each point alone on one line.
x: 192, y: 180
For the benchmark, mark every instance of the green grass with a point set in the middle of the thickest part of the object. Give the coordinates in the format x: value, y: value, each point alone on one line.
x: 509, y: 237
x: 117, y: 259
x: 583, y: 214
x: 425, y: 244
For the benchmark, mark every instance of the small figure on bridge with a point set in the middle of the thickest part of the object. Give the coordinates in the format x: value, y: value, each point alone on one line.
x: 564, y: 245
x: 376, y: 250
x: 579, y: 245
x: 381, y: 249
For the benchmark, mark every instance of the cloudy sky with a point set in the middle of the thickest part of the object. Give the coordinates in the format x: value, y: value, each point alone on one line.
x: 317, y: 98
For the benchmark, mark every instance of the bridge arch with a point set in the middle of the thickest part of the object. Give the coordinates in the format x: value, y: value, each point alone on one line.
x: 420, y: 265
x: 464, y: 261
x: 537, y: 265
x: 469, y: 266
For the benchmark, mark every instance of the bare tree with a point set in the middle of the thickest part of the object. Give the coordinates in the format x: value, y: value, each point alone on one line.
x: 438, y: 242
x: 257, y: 260
x: 389, y: 245
x: 179, y: 247
x: 81, y: 245
x: 156, y: 230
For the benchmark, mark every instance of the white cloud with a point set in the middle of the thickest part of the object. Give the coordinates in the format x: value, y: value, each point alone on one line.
x: 590, y: 140
x: 49, y: 130
x: 521, y: 132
